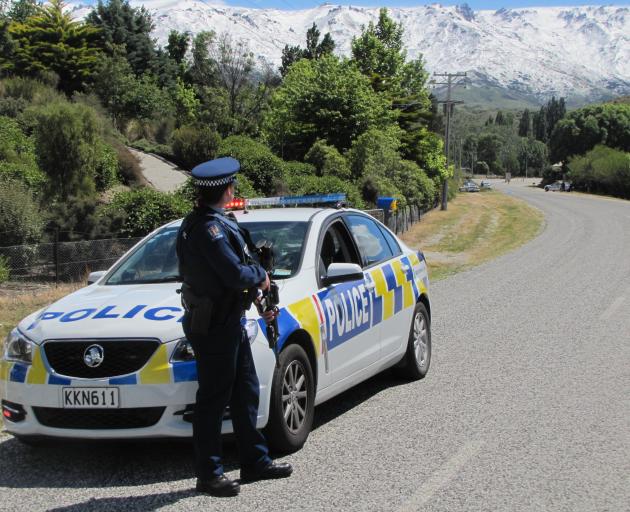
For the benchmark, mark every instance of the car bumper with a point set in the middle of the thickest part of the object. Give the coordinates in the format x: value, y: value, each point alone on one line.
x: 40, y: 402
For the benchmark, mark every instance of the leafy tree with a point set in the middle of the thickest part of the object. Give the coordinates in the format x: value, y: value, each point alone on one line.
x: 66, y: 136
x: 290, y: 54
x: 21, y: 10
x: 127, y: 29
x: 489, y: 150
x: 17, y: 156
x: 325, y: 99
x: 127, y: 97
x: 583, y: 129
x: 201, y: 71
x: 193, y: 144
x: 532, y: 154
x: 327, y: 161
x: 51, y: 41
x: 186, y: 102
x: 379, y: 52
x: 603, y: 170
x: 20, y: 217
x: 314, y: 49
x: 177, y: 45
x: 499, y: 119
x: 258, y: 164
x: 482, y: 167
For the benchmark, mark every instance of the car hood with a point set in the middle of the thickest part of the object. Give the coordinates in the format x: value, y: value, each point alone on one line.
x: 121, y: 311
x: 147, y: 311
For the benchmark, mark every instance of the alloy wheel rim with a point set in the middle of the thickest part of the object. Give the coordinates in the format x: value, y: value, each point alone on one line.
x: 420, y: 339
x: 294, y: 396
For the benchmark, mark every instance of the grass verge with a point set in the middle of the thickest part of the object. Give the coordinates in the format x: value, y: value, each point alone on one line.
x: 17, y: 304
x: 475, y: 228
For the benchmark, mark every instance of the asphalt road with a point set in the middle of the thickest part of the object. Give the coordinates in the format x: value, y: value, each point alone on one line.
x: 526, y: 406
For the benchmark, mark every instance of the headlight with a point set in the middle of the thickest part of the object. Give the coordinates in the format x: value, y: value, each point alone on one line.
x: 183, y: 352
x: 251, y: 327
x: 18, y: 348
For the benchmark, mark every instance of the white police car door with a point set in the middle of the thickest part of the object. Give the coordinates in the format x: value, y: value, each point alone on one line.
x: 350, y: 343
x: 388, y: 274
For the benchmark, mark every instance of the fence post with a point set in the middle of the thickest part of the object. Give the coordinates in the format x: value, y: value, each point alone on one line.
x: 56, y: 256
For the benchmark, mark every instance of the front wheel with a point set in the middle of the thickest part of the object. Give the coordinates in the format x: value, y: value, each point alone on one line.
x: 416, y: 361
x: 292, y: 404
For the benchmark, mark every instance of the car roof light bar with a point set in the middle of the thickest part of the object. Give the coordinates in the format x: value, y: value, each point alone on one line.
x: 311, y: 199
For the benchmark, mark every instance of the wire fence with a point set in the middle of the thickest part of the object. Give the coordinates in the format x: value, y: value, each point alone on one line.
x: 73, y: 261
x: 63, y: 261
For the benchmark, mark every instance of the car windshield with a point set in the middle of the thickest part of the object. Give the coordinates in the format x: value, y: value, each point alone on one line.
x: 287, y: 239
x: 155, y: 260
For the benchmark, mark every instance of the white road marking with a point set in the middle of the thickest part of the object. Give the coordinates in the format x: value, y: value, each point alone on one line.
x: 441, y: 477
x: 612, y: 309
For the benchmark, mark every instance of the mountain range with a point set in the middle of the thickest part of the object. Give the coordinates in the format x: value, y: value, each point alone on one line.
x: 519, y: 56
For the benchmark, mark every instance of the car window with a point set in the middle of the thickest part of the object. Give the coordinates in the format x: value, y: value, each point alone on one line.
x: 370, y: 240
x: 155, y: 261
x: 391, y: 241
x: 336, y: 247
x: 287, y: 241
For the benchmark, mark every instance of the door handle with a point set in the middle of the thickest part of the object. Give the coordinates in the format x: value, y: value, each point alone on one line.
x: 405, y: 268
x: 370, y: 286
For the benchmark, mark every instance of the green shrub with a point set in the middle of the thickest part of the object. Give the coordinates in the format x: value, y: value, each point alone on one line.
x: 301, y: 185
x: 128, y: 166
x: 193, y: 144
x: 20, y: 218
x: 66, y: 138
x: 258, y: 164
x: 603, y: 170
x: 327, y: 160
x: 17, y: 155
x: 163, y: 150
x: 299, y: 169
x: 105, y: 166
x: 4, y: 269
x: 145, y: 209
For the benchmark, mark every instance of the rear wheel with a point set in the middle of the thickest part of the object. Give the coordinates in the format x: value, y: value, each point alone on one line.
x: 416, y: 361
x: 292, y: 401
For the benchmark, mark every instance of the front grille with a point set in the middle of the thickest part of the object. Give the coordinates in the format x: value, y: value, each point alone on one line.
x: 120, y: 357
x: 98, y: 419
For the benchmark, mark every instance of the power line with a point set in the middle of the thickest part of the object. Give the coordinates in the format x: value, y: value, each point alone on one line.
x: 449, y: 104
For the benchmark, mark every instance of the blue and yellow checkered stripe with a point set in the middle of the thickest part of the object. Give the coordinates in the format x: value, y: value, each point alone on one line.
x: 157, y: 371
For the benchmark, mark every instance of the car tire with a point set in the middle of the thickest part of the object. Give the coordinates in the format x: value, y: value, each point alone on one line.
x: 417, y: 359
x: 292, y: 404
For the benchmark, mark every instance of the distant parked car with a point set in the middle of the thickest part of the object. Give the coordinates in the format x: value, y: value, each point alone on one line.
x: 469, y: 186
x: 485, y: 184
x: 558, y: 186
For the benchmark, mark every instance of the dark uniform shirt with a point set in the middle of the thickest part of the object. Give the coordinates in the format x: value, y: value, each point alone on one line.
x: 214, y: 261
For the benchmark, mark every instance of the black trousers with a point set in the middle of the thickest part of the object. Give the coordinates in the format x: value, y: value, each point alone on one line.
x: 227, y: 376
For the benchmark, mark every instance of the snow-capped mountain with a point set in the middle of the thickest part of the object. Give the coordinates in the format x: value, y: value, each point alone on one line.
x: 534, y: 52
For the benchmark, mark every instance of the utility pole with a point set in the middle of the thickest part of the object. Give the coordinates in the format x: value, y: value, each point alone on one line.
x: 451, y: 80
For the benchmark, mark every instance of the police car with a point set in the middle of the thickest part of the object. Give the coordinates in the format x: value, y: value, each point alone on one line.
x: 110, y: 360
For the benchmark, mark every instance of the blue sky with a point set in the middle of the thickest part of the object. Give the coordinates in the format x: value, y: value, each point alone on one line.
x: 475, y: 4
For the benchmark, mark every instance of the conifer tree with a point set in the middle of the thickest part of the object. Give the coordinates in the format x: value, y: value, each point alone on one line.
x: 51, y: 40
x: 524, y: 125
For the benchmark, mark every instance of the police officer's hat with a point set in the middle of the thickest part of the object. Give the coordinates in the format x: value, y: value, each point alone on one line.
x: 214, y: 173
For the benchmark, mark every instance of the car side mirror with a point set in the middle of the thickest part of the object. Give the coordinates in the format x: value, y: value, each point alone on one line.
x: 342, y: 272
x: 95, y: 276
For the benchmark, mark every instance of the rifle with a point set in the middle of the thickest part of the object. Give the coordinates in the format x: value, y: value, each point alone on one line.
x: 270, y: 298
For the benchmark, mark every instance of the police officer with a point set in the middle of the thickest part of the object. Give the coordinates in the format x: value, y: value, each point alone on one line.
x: 218, y: 276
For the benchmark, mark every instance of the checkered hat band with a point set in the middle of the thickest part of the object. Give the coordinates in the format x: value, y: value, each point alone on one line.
x: 214, y: 183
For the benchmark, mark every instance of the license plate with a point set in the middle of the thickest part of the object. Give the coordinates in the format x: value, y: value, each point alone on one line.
x: 90, y: 398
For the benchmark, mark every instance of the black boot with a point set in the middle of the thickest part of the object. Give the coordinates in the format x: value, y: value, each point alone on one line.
x: 218, y: 486
x: 272, y: 471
